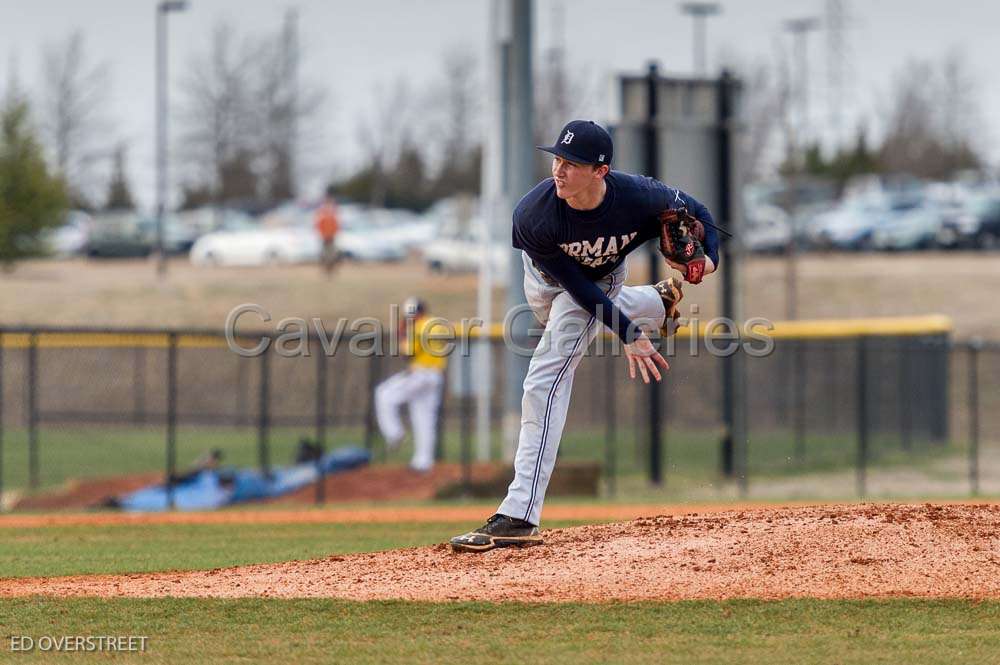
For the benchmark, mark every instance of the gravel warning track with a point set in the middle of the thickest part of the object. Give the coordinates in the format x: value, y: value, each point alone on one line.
x: 850, y: 551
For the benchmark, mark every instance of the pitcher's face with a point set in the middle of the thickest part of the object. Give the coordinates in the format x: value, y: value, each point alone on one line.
x: 572, y: 178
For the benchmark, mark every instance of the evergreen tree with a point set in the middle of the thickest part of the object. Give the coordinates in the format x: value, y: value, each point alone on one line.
x: 119, y: 193
x: 31, y: 199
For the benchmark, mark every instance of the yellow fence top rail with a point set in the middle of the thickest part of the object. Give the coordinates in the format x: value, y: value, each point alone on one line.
x: 885, y: 327
x: 934, y: 324
x: 809, y: 329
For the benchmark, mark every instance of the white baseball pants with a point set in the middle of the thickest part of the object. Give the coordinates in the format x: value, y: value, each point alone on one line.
x: 420, y: 389
x: 569, y: 330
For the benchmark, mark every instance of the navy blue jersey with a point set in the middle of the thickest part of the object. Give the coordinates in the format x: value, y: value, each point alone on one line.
x: 579, y: 247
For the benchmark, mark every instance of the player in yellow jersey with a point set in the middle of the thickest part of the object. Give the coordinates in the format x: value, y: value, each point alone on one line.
x: 419, y: 386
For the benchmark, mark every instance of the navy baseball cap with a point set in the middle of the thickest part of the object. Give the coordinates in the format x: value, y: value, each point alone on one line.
x: 584, y: 142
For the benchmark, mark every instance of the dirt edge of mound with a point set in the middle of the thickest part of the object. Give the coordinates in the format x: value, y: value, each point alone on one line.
x: 841, y: 551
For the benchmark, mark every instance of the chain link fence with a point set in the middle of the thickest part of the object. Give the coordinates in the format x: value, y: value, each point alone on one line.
x: 854, y: 414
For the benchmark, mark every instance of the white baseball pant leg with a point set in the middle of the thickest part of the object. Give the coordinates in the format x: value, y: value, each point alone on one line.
x: 424, y: 416
x: 420, y: 389
x: 569, y: 330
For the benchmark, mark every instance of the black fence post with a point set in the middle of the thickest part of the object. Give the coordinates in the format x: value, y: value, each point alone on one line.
x: 465, y: 424
x: 139, y: 384
x: 939, y: 348
x: 374, y: 373
x: 1, y: 419
x: 833, y: 384
x: 974, y: 346
x: 171, y: 416
x: 264, y: 415
x: 611, y: 422
x: 241, y: 392
x: 905, y: 396
x: 320, y: 426
x: 440, y: 422
x: 799, y: 360
x: 33, y: 410
x: 862, y: 415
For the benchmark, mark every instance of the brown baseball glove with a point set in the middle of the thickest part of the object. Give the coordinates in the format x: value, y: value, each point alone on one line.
x: 681, y: 238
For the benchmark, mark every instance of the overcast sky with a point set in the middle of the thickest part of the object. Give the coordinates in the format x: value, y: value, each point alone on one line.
x: 349, y: 47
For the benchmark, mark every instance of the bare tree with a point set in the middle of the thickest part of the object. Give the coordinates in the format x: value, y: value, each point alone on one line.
x: 244, y: 115
x: 215, y: 116
x: 383, y: 133
x: 961, y: 120
x: 765, y: 99
x: 73, y: 106
x: 932, y: 120
x: 285, y: 109
x: 453, y: 107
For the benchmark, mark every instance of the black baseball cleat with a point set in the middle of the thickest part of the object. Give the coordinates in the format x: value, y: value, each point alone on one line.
x: 671, y: 294
x: 499, y: 531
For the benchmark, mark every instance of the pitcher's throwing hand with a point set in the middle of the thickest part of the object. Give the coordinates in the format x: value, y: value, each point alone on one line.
x: 642, y: 354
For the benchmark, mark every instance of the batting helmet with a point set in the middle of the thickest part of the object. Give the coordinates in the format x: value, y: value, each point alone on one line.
x: 413, y: 306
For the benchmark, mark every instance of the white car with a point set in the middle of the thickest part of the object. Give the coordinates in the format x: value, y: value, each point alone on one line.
x: 256, y: 247
x: 463, y: 252
x: 375, y: 245
x: 71, y: 238
x: 768, y: 229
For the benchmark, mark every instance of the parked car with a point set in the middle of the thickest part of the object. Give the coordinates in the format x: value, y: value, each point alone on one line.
x: 852, y: 224
x: 126, y: 233
x: 370, y: 245
x: 977, y: 224
x: 120, y: 234
x: 383, y: 234
x: 462, y: 251
x: 918, y: 228
x: 257, y: 246
x: 768, y: 229
x: 69, y: 239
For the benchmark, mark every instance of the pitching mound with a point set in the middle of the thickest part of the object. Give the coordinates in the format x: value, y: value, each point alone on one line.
x: 822, y: 552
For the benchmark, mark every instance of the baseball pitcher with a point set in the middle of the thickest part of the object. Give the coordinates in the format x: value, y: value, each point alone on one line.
x: 575, y: 230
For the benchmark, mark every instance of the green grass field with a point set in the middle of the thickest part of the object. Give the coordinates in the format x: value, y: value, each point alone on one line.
x: 325, y: 631
x: 315, y: 631
x: 692, y: 457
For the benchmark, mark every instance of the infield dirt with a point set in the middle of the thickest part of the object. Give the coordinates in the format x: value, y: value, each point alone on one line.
x: 850, y: 551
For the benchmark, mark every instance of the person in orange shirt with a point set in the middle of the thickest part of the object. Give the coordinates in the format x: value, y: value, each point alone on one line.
x: 327, y: 224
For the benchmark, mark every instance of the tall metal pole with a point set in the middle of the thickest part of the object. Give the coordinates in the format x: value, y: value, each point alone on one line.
x: 735, y: 445
x: 700, y: 11
x: 162, y: 9
x: 519, y: 178
x: 800, y: 29
x: 494, y: 213
x: 652, y: 170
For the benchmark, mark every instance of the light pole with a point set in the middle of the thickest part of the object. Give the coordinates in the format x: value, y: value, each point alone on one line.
x: 162, y: 9
x: 700, y: 11
x: 797, y: 138
x: 800, y: 29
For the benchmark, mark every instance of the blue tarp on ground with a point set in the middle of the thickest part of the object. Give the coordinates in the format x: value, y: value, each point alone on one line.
x: 216, y: 488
